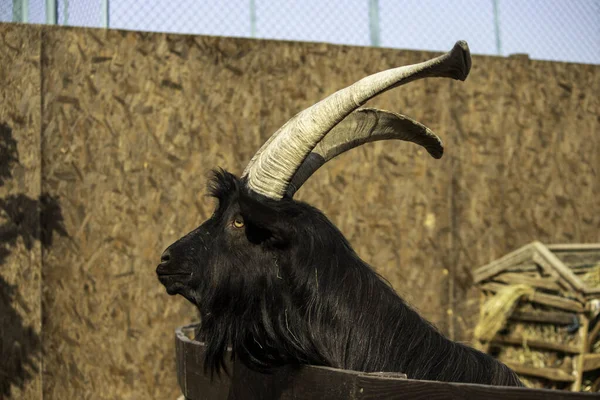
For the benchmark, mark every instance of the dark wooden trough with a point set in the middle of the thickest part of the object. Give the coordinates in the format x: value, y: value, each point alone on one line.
x: 311, y: 382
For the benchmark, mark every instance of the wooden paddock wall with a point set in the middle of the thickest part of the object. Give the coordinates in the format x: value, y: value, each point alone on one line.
x: 107, y: 138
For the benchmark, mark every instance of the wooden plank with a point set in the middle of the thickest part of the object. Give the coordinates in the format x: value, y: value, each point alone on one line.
x: 540, y: 344
x: 547, y: 269
x: 529, y: 274
x: 497, y: 266
x: 427, y: 390
x: 301, y: 383
x: 516, y: 278
x: 313, y: 382
x: 572, y: 254
x: 573, y: 247
x: 328, y: 383
x: 572, y: 260
x: 591, y: 362
x: 583, y: 337
x: 558, y: 265
x: 193, y: 382
x: 552, y: 317
x: 553, y: 374
x: 591, y: 293
x: 575, y: 261
x: 556, y: 301
x: 542, y: 298
x: 582, y: 269
x: 524, y: 267
x: 580, y: 260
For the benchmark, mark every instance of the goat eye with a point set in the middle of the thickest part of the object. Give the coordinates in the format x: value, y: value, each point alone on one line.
x: 238, y: 222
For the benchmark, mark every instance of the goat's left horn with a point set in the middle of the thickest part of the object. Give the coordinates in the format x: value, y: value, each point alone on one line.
x: 362, y: 126
x: 272, y: 168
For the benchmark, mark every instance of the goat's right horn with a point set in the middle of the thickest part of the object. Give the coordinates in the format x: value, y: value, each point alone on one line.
x: 270, y: 171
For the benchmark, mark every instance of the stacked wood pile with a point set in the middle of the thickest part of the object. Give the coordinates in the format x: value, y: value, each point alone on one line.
x: 550, y: 336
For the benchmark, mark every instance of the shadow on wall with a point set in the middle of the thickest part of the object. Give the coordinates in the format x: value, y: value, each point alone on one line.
x: 20, y: 345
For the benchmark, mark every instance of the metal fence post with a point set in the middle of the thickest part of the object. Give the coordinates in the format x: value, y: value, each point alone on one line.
x: 374, y: 22
x: 51, y: 12
x: 105, y: 14
x: 497, y: 27
x: 20, y: 11
x: 65, y: 12
x: 252, y: 18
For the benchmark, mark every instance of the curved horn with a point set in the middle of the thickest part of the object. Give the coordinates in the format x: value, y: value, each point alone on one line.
x: 362, y: 126
x: 272, y: 168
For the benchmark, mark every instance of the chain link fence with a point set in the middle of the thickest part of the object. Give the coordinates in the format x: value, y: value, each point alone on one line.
x: 557, y: 30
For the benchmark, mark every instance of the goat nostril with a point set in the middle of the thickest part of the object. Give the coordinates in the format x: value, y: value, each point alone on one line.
x: 166, y: 257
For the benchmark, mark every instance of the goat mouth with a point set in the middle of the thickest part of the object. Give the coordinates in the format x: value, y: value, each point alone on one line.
x: 173, y: 283
x: 172, y: 280
x: 164, y: 271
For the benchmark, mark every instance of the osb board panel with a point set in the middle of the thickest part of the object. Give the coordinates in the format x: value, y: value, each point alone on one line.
x: 20, y: 248
x: 475, y: 115
x: 389, y: 199
x: 132, y: 125
x: 552, y: 153
x: 536, y: 175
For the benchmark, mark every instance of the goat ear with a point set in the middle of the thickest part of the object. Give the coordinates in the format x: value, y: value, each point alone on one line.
x: 265, y: 222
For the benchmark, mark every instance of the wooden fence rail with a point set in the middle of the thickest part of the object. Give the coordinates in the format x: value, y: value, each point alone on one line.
x: 311, y: 382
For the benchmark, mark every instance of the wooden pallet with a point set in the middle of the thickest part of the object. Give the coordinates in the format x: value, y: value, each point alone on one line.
x: 561, y: 298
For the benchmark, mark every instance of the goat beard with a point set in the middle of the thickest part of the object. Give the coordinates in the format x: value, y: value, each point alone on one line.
x: 263, y: 332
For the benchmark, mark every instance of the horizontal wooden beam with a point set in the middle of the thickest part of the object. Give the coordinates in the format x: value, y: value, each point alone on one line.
x: 311, y: 382
x: 499, y: 265
x: 542, y: 298
x: 516, y: 278
x: 579, y: 259
x: 573, y: 246
x: 540, y: 344
x: 551, y: 317
x: 524, y: 267
x: 553, y: 374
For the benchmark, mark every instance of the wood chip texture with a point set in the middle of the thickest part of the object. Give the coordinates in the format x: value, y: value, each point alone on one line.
x: 20, y: 195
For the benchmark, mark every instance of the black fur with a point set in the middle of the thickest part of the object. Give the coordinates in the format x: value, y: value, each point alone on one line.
x: 287, y: 288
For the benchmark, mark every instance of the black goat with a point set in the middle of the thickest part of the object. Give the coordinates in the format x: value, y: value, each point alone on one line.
x: 274, y: 279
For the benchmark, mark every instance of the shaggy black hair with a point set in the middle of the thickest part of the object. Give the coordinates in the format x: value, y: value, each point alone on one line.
x: 287, y: 288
